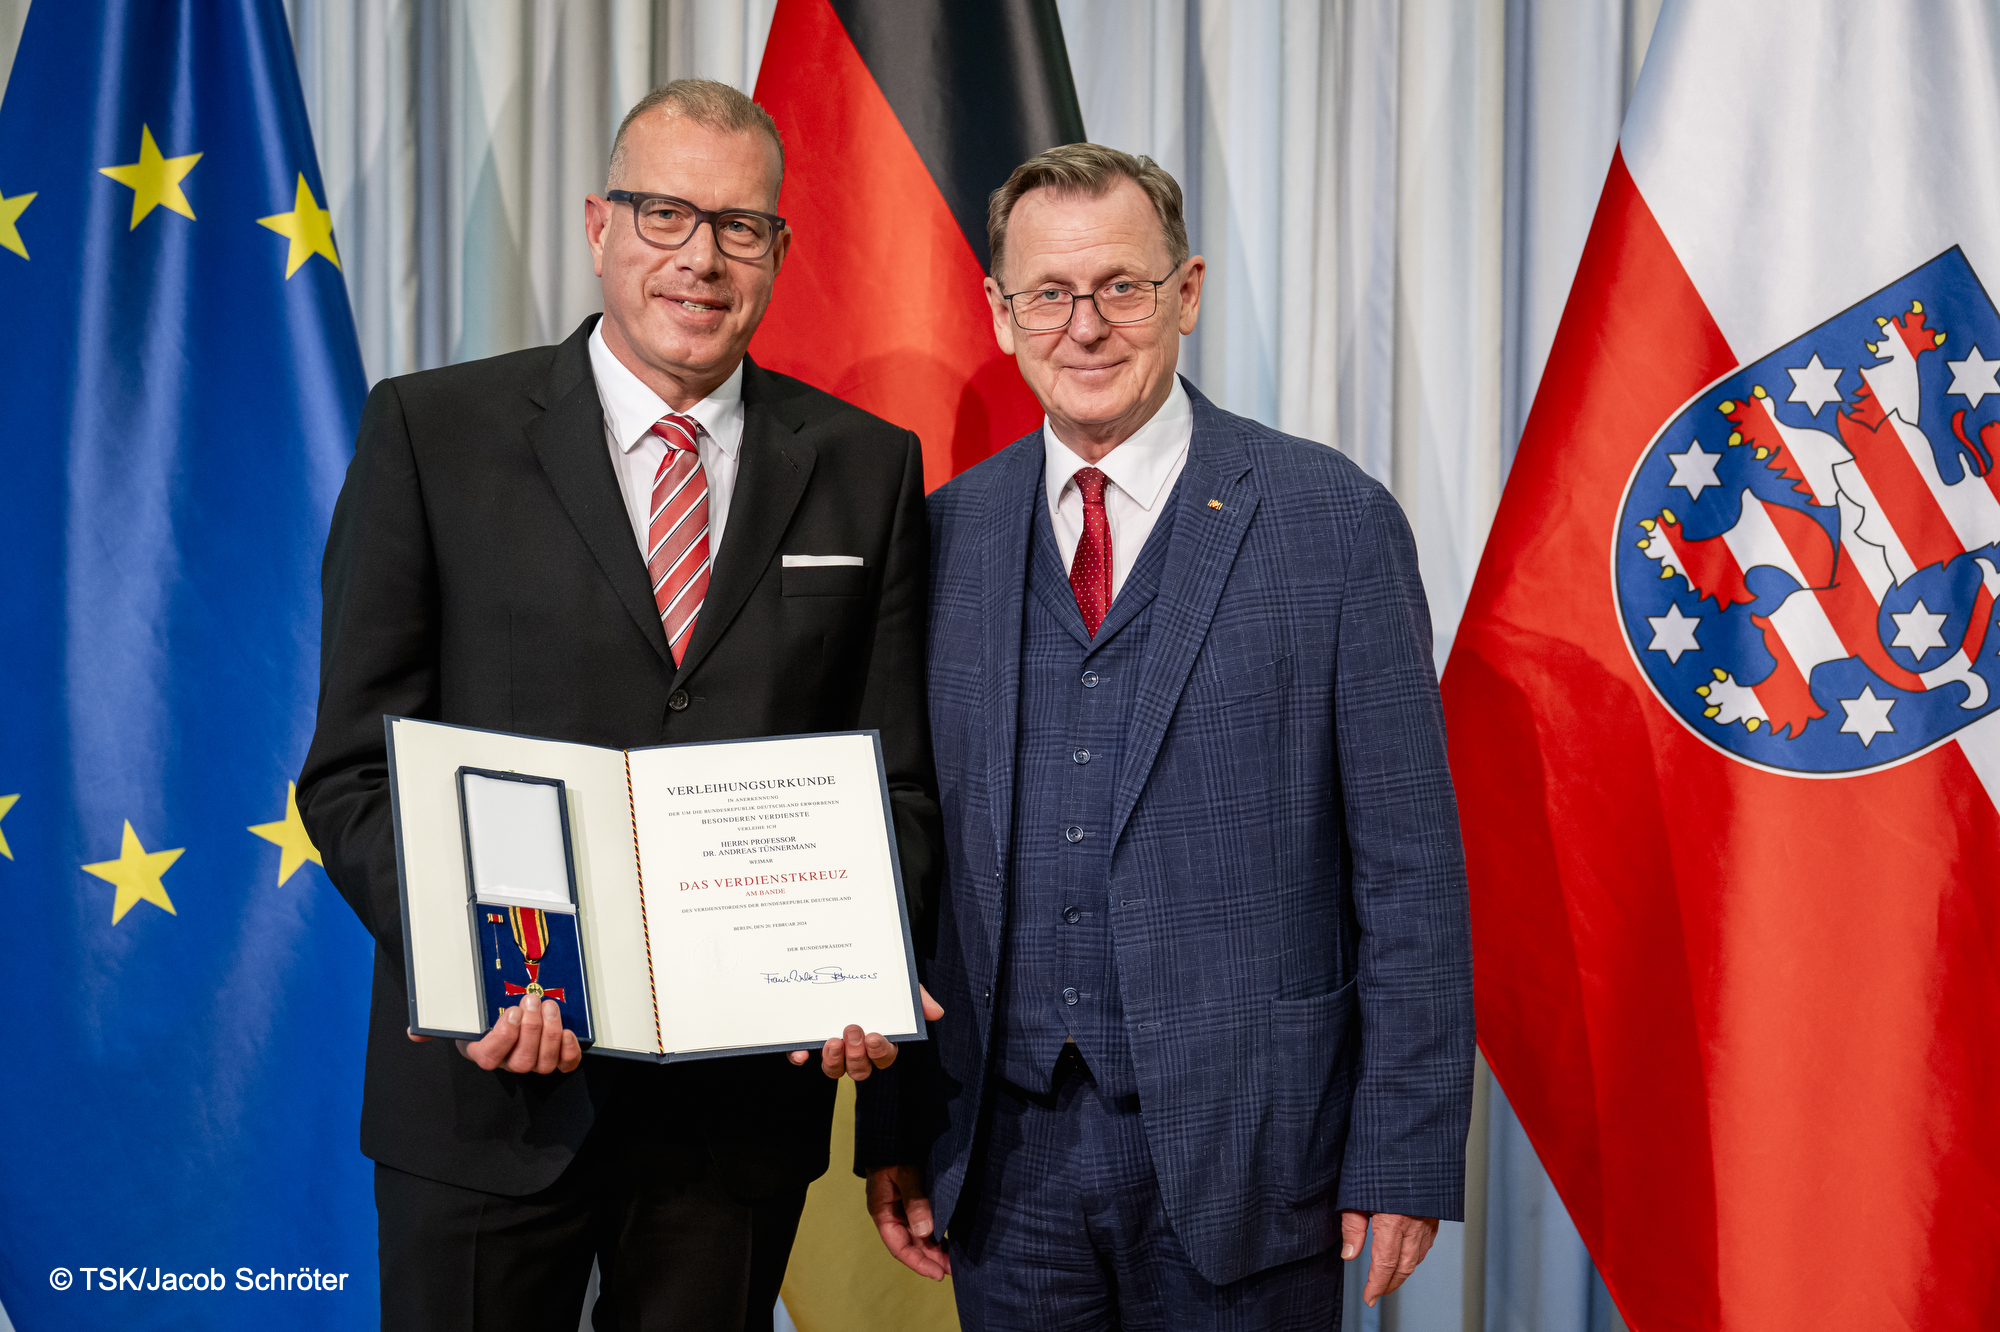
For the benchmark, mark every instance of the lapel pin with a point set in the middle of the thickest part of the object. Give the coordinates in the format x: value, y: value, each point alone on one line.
x: 1215, y: 504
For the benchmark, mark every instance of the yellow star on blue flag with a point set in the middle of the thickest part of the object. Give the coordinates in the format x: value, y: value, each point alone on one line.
x: 308, y: 226
x: 289, y: 835
x: 136, y: 874
x: 155, y: 181
x: 10, y: 217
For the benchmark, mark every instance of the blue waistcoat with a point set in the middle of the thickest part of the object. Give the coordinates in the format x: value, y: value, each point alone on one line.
x: 1059, y: 970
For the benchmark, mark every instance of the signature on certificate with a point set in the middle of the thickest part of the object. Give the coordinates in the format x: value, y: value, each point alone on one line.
x: 817, y: 976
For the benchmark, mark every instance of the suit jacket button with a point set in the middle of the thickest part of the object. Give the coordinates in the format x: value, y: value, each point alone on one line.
x: 1073, y: 833
x: 1090, y: 679
x: 678, y: 700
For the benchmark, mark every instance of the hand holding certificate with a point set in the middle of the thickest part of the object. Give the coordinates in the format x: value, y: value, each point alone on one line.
x: 857, y: 1053
x: 678, y: 902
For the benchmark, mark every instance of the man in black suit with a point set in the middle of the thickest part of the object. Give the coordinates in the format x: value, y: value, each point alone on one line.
x: 633, y: 538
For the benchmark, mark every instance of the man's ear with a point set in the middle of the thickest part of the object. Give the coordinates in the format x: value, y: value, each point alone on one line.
x: 779, y: 249
x: 596, y: 216
x: 1003, y: 317
x: 1192, y: 273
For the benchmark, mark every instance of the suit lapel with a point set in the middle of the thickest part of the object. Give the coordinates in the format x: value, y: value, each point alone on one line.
x: 1010, y: 513
x: 773, y: 467
x: 1043, y: 551
x: 568, y: 439
x: 1200, y: 553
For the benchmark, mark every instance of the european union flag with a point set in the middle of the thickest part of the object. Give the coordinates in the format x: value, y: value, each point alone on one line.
x: 179, y: 389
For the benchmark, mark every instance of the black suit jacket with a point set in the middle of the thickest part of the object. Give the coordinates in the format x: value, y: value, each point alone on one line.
x: 481, y: 570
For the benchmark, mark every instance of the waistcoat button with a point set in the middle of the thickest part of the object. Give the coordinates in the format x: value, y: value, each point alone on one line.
x: 1073, y: 833
x: 1072, y: 915
x: 1070, y: 995
x: 1081, y: 756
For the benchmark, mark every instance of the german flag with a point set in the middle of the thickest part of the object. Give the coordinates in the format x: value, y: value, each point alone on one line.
x: 899, y: 118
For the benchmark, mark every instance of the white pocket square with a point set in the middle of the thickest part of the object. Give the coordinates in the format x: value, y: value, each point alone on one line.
x: 821, y: 561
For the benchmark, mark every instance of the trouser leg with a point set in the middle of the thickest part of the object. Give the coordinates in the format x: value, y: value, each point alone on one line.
x: 461, y: 1260
x: 680, y: 1247
x: 1067, y: 1231
x: 1157, y: 1286
x: 1024, y: 1257
x: 772, y: 1229
x: 687, y: 1256
x: 681, y: 1241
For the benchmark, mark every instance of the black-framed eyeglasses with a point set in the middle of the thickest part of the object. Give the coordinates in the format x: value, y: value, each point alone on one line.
x: 670, y: 223
x: 1126, y: 301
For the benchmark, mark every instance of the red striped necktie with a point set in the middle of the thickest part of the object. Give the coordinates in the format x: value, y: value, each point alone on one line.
x: 677, y: 535
x: 1090, y: 569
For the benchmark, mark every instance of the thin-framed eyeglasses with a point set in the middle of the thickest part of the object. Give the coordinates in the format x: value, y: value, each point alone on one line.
x: 669, y: 223
x: 1125, y: 301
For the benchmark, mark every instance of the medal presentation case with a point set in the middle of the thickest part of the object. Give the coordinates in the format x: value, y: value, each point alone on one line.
x: 521, y: 890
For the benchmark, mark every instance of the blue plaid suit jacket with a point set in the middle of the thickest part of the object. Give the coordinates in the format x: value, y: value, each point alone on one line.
x: 1288, y: 888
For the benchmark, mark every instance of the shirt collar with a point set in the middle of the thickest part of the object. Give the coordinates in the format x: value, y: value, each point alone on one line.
x: 630, y: 408
x: 1140, y: 465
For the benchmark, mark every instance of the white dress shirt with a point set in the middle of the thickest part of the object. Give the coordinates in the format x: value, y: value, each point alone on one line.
x: 1141, y: 472
x: 630, y: 409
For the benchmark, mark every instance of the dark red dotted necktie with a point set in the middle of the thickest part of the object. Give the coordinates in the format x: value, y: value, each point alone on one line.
x: 1090, y: 571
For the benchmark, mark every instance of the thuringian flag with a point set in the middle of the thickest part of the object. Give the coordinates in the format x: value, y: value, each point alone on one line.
x: 179, y: 386
x: 899, y: 118
x: 1723, y: 707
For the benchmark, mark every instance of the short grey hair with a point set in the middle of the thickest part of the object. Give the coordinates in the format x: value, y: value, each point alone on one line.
x: 716, y: 106
x: 1091, y: 170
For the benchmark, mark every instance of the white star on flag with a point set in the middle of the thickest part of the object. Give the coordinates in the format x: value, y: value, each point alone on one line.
x: 1694, y: 470
x: 1673, y: 633
x: 1814, y: 384
x: 1973, y: 377
x: 1917, y: 628
x: 1867, y: 716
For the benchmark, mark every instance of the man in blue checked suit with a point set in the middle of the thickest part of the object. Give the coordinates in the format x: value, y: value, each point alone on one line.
x: 1203, y: 949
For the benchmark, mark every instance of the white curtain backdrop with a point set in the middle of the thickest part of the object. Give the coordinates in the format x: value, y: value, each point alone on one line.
x: 1391, y: 195
x: 13, y: 13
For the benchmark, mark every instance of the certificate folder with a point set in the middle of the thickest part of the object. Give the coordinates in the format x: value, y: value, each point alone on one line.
x: 689, y: 901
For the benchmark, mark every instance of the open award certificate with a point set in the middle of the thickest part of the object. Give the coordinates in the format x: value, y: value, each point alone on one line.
x: 684, y: 901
